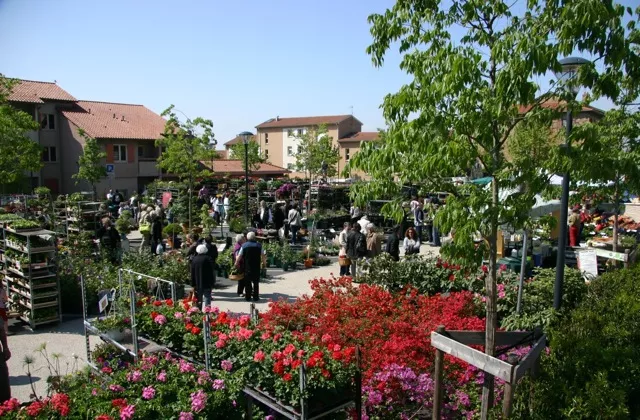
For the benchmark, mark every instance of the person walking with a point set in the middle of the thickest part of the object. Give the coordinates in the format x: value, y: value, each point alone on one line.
x: 574, y: 227
x: 294, y: 224
x: 5, y: 387
x: 144, y: 225
x: 240, y: 240
x: 202, y: 276
x: 278, y: 217
x: 109, y: 240
x: 364, y: 222
x: 356, y: 247
x: 226, y: 203
x: 250, y: 258
x: 418, y: 219
x: 342, y: 239
x: 156, y: 232
x: 411, y: 242
x: 393, y: 243
x: 374, y: 241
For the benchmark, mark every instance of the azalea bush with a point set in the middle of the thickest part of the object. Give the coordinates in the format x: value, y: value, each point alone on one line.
x: 389, y: 328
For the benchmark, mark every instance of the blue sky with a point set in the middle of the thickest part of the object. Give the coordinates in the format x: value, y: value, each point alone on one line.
x: 237, y: 63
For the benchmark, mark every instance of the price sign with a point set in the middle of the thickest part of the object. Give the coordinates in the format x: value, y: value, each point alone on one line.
x: 102, y: 304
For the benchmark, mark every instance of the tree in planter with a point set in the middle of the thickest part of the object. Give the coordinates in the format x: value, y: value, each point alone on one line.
x: 91, y: 166
x: 19, y: 154
x: 254, y: 155
x: 466, y: 99
x: 171, y: 231
x: 184, y: 150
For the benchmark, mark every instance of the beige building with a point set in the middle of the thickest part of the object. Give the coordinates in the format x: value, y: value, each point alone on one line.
x: 126, y: 132
x: 278, y: 138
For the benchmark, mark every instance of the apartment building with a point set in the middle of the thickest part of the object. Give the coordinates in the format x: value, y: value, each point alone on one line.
x: 126, y: 132
x: 278, y: 138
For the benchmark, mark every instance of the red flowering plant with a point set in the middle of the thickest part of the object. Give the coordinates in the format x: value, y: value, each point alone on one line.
x: 389, y: 328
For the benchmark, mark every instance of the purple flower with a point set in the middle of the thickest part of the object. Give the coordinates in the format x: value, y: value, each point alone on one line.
x: 127, y: 412
x: 160, y: 319
x: 198, y: 401
x: 185, y: 416
x: 218, y: 384
x: 116, y: 388
x: 226, y: 365
x: 148, y: 393
x: 94, y: 392
x: 162, y: 376
x: 270, y: 417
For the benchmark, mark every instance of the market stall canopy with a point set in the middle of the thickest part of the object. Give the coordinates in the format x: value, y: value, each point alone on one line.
x: 540, y: 207
x: 482, y: 181
x: 557, y: 180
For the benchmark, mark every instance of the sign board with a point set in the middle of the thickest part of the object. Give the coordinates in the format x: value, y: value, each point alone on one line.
x: 588, y: 262
x: 618, y: 256
x: 104, y: 301
x: 111, y: 170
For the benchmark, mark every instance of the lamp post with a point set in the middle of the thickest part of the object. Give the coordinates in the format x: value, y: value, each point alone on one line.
x: 246, y: 137
x: 566, y: 76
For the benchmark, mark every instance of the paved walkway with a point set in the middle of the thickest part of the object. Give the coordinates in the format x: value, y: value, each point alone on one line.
x: 67, y: 339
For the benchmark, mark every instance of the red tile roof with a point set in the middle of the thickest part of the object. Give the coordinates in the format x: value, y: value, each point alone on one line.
x: 558, y: 105
x: 37, y: 92
x: 234, y: 167
x: 360, y: 136
x: 303, y: 121
x: 107, y: 120
x: 235, y: 140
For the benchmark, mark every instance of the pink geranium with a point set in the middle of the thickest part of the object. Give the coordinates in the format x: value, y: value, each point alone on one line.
x: 160, y: 319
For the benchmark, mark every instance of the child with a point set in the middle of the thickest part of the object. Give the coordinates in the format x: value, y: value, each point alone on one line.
x: 3, y: 307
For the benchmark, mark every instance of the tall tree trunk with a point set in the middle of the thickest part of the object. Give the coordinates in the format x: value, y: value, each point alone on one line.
x: 491, y: 321
x: 616, y: 211
x: 190, y: 200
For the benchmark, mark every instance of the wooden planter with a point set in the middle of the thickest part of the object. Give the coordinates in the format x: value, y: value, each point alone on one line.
x: 456, y: 343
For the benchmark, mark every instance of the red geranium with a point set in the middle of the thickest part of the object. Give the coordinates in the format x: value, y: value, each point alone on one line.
x: 35, y: 408
x: 119, y: 403
x: 157, y: 303
x: 104, y: 417
x: 196, y: 330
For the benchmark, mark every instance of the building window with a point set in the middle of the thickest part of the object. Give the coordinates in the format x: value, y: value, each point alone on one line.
x: 266, y: 138
x: 48, y: 122
x: 289, y: 150
x: 119, y: 152
x: 49, y: 154
x: 346, y: 155
x: 299, y: 149
x: 140, y: 151
x: 300, y: 131
x: 290, y: 166
x: 290, y: 133
x: 266, y: 154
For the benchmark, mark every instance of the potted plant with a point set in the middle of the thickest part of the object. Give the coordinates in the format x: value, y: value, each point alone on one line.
x: 308, y: 261
x: 171, y: 231
x: 288, y: 257
x: 208, y: 222
x: 224, y: 263
x: 113, y: 326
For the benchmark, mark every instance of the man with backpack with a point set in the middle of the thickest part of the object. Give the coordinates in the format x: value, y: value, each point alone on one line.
x: 356, y: 247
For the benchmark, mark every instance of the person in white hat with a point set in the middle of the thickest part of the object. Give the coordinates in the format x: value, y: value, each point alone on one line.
x: 203, y: 275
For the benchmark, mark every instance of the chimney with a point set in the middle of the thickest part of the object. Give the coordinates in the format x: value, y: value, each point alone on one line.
x: 277, y: 117
x: 122, y: 118
x: 89, y: 111
x: 114, y: 115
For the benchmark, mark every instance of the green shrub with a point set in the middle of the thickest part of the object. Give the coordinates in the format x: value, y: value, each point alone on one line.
x: 237, y: 225
x: 593, y: 369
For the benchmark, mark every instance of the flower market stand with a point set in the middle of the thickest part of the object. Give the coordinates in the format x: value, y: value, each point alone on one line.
x: 304, y: 412
x: 456, y: 343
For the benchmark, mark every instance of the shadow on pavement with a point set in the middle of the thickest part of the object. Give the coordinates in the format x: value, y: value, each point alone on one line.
x: 232, y: 296
x: 22, y: 380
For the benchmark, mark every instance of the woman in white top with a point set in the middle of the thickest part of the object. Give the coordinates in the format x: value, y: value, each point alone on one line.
x: 294, y: 224
x: 342, y: 239
x: 411, y: 242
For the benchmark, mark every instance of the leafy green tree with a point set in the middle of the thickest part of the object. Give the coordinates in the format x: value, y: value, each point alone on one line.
x: 464, y: 101
x: 316, y: 148
x: 184, y: 146
x: 91, y: 166
x: 19, y: 153
x: 254, y: 156
x: 610, y: 153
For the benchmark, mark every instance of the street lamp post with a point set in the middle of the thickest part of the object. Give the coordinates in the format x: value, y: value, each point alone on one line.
x: 246, y: 137
x: 567, y: 76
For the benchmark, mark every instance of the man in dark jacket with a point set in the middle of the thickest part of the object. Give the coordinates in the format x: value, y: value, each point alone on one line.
x: 356, y: 246
x: 212, y: 249
x: 202, y: 275
x: 156, y: 233
x: 393, y: 243
x: 249, y: 260
x: 109, y: 240
x: 278, y: 217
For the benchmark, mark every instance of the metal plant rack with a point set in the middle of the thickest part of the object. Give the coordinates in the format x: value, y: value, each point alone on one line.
x: 133, y: 346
